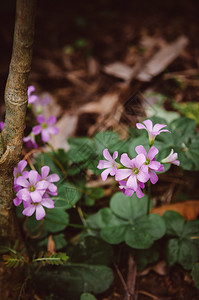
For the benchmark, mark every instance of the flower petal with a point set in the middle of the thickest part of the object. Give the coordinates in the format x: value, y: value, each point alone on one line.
x: 141, y: 150
x: 140, y: 126
x: 52, y: 120
x: 29, y: 211
x: 126, y: 161
x: 153, y: 177
x: 132, y: 182
x: 36, y: 129
x: 41, y: 119
x: 149, y: 125
x: 154, y: 165
x: 45, y: 136
x: 122, y: 174
x: 36, y: 196
x: 139, y: 160
x: 40, y: 212
x: 157, y: 127
x: 105, y: 174
x: 115, y: 155
x: 153, y: 151
x: 17, y: 201
x: 107, y: 155
x: 104, y: 164
x: 53, y: 178
x: 53, y: 130
x: 21, y: 165
x: 48, y: 202
x: 33, y: 177
x: 143, y: 176
x: 45, y: 171
x: 22, y: 181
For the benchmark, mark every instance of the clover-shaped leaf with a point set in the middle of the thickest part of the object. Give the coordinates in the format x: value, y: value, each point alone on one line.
x: 183, y: 247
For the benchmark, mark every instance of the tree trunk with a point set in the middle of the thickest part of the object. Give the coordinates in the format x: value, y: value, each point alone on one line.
x: 11, y: 138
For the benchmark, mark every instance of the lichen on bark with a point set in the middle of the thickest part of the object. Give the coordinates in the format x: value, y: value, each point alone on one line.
x: 11, y: 138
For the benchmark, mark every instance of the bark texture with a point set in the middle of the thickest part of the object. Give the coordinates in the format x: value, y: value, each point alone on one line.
x: 11, y: 138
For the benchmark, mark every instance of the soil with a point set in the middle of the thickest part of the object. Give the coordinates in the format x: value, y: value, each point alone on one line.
x: 74, y: 41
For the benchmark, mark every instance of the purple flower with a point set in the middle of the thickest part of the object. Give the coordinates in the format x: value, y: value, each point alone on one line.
x: 32, y: 188
x: 171, y: 158
x: 1, y: 126
x: 151, y: 164
x: 129, y: 191
x: 46, y: 128
x: 109, y: 164
x: 19, y: 171
x: 32, y: 98
x: 153, y: 131
x: 30, y: 207
x: 30, y: 140
x: 134, y: 173
x: 50, y: 179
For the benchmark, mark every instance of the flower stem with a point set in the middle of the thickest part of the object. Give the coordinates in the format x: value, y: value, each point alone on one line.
x: 149, y: 197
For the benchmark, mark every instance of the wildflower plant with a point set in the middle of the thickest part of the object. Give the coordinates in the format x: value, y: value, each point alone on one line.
x: 134, y: 173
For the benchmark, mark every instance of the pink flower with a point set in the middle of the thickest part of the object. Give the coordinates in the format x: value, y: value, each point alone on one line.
x: 1, y: 126
x: 49, y: 178
x: 46, y: 128
x: 171, y: 158
x: 151, y: 164
x: 129, y: 191
x: 109, y: 164
x: 30, y: 207
x: 19, y: 170
x: 32, y: 98
x: 30, y: 140
x: 134, y: 173
x: 153, y: 131
x: 32, y: 188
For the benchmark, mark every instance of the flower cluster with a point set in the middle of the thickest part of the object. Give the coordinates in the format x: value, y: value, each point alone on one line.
x: 45, y: 127
x: 132, y: 174
x: 34, y: 190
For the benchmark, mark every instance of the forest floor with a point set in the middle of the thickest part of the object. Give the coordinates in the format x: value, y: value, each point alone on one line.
x: 91, y: 56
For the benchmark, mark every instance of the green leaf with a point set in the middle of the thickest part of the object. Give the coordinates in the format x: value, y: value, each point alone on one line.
x: 138, y: 238
x: 81, y: 149
x: 188, y: 254
x: 106, y: 139
x: 143, y: 257
x: 189, y: 109
x: 144, y: 231
x: 68, y: 195
x: 128, y: 208
x: 87, y: 296
x: 48, y: 159
x: 172, y: 251
x: 72, y: 280
x: 114, y: 234
x: 55, y: 220
x: 191, y: 229
x: 92, y: 194
x: 92, y: 250
x: 182, y: 128
x: 195, y: 274
x: 174, y: 223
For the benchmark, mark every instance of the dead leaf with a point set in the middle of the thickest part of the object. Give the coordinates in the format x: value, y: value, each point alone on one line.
x: 119, y: 70
x: 188, y: 209
x: 104, y: 106
x: 160, y: 268
x: 67, y: 125
x: 51, y: 245
x: 162, y: 59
